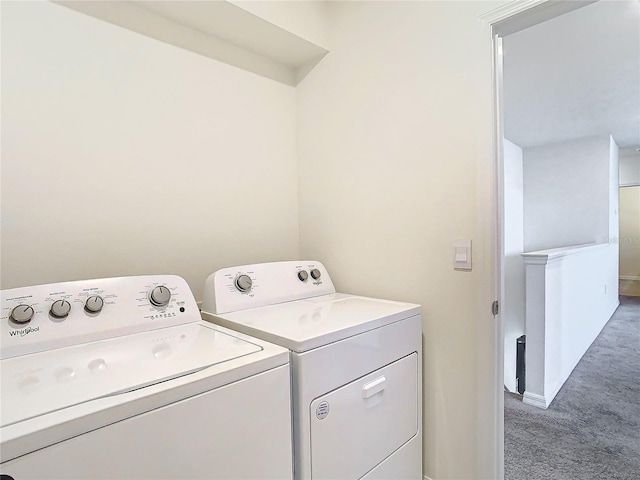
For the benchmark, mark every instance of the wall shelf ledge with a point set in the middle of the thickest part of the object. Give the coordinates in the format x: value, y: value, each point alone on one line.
x: 216, y: 29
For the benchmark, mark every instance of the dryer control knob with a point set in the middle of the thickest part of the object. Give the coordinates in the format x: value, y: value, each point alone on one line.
x: 22, y: 314
x: 60, y: 309
x: 160, y: 296
x: 243, y: 283
x: 315, y: 274
x: 303, y: 275
x: 94, y: 304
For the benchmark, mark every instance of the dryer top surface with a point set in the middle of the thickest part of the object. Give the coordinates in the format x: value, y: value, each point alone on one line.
x: 302, y: 325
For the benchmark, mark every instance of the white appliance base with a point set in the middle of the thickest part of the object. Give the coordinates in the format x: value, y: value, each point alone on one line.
x: 215, y: 434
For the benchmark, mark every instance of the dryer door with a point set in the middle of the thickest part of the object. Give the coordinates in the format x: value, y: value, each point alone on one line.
x: 358, y: 425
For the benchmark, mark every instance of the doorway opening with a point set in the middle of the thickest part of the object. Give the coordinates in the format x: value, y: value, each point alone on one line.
x: 630, y: 240
x: 510, y: 21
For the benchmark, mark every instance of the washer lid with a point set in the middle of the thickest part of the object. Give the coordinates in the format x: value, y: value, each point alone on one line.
x: 37, y: 384
x: 305, y: 324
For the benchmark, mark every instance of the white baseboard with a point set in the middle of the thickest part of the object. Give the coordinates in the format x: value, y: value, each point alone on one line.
x: 534, y: 400
x: 636, y: 278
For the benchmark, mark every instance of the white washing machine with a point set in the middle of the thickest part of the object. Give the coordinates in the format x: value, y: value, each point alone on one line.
x: 356, y: 366
x: 120, y: 378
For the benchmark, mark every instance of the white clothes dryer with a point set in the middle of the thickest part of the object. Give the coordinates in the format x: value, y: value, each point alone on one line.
x: 356, y: 366
x: 120, y: 378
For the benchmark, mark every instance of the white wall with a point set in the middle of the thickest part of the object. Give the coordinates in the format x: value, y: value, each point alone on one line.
x: 630, y: 233
x: 513, y: 264
x: 629, y: 166
x: 395, y: 164
x: 567, y: 193
x: 122, y: 155
x: 614, y: 193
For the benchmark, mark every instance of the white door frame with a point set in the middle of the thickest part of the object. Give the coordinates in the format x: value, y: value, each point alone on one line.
x: 504, y: 20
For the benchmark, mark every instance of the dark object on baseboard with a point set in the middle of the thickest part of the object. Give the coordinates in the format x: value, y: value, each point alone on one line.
x: 520, y: 367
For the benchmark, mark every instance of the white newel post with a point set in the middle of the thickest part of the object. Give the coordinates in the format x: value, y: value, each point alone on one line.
x: 535, y: 323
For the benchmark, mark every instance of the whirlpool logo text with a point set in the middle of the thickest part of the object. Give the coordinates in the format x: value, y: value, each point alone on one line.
x: 24, y: 331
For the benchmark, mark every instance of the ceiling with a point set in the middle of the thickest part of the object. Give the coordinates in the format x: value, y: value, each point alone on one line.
x: 575, y: 75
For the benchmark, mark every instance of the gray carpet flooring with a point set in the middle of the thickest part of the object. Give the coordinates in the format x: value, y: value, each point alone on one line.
x: 591, y: 430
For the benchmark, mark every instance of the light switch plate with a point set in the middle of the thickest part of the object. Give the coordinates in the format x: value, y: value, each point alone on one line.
x: 462, y: 255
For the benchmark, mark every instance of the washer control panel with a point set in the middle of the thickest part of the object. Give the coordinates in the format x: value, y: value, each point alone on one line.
x: 249, y: 286
x: 44, y: 317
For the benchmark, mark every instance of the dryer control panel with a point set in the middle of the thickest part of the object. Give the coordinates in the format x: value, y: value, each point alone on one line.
x: 44, y: 317
x: 249, y: 286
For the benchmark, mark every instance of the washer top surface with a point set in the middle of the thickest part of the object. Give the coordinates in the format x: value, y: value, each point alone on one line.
x: 41, y: 383
x: 309, y: 323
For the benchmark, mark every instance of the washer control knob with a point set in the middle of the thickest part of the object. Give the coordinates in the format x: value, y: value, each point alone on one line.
x: 94, y: 304
x: 22, y: 314
x: 60, y: 309
x: 160, y: 296
x: 303, y: 275
x: 315, y: 274
x: 243, y: 283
